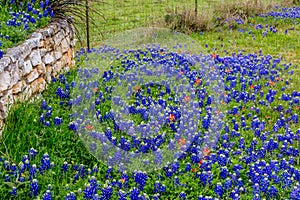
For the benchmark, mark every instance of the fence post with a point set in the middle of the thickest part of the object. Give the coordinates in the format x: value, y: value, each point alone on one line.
x: 196, y: 8
x: 87, y: 23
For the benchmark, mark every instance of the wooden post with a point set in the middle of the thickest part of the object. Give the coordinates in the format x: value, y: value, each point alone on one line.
x: 196, y: 8
x: 87, y: 23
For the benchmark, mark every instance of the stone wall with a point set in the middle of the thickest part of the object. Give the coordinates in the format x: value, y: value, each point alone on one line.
x: 26, y: 70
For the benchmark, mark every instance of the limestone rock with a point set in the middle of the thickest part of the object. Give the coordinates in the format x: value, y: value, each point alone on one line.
x: 4, y: 62
x: 14, y: 53
x: 58, y: 53
x: 57, y: 67
x: 49, y: 44
x: 38, y: 85
x: 15, y: 74
x: 58, y: 38
x: 48, y: 32
x: 25, y: 50
x: 43, y: 52
x: 42, y: 44
x: 32, y: 43
x: 35, y: 58
x: 4, y: 80
x: 41, y: 68
x: 32, y: 76
x: 37, y: 35
x: 20, y: 63
x: 27, y: 67
x: 48, y: 73
x: 49, y: 58
x: 18, y: 87
x: 64, y: 46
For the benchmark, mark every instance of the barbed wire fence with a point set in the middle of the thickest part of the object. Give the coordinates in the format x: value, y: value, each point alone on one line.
x: 122, y: 15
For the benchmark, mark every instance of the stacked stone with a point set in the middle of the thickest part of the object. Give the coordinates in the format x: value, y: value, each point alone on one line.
x: 26, y: 70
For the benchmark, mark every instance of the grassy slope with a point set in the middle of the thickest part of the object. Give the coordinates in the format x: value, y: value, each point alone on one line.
x: 29, y: 133
x: 20, y: 135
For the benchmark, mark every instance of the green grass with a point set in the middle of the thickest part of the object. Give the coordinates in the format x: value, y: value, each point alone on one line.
x: 121, y: 15
x: 278, y: 44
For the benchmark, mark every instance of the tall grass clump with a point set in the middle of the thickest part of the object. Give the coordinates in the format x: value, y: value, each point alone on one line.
x: 188, y: 20
x: 75, y: 12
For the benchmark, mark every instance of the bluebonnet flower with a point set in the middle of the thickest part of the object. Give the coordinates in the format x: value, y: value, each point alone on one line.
x: 219, y: 190
x: 45, y: 163
x: 6, y: 178
x: 222, y: 160
x: 6, y: 165
x: 65, y: 167
x: 88, y: 192
x: 57, y: 121
x: 182, y: 195
x: 134, y: 193
x: 227, y: 184
x: 32, y: 172
x: 140, y: 178
x: 34, y: 188
x: 32, y: 153
x: 295, y: 193
x: 70, y: 196
x: 82, y: 171
x: 47, y: 195
x: 13, y: 191
x: 188, y: 167
x: 273, y: 192
x: 224, y: 172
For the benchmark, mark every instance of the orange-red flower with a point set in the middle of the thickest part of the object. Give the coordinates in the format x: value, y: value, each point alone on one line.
x: 187, y: 98
x: 89, y: 127
x: 227, y: 71
x: 214, y: 55
x: 172, y: 117
x: 251, y: 87
x: 206, y: 151
x: 198, y: 81
x: 181, y: 142
x: 271, y: 82
x: 137, y: 88
x: 194, y: 170
x: 122, y: 180
x: 218, y: 112
x: 95, y: 89
x: 200, y: 162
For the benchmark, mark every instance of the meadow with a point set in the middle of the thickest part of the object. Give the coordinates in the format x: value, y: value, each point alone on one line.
x: 49, y: 146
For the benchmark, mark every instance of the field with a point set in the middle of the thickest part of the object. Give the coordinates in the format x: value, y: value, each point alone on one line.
x: 238, y: 139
